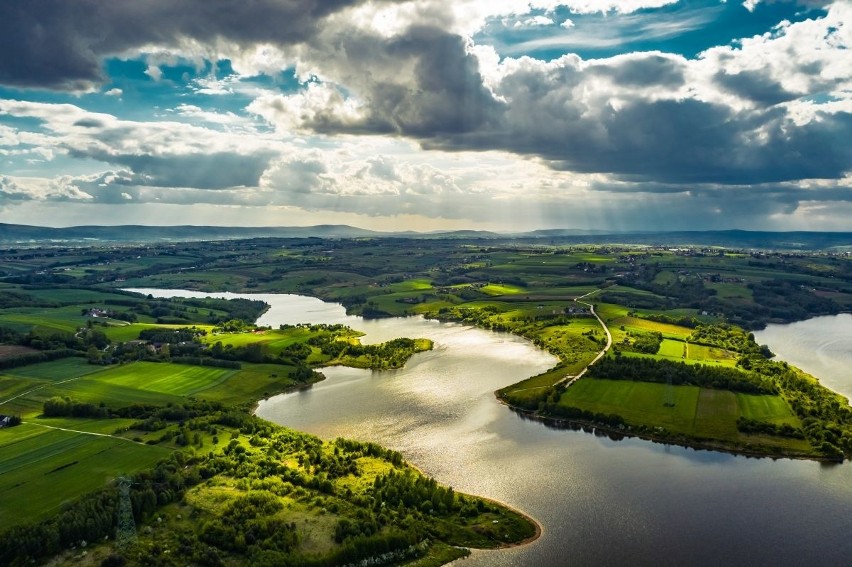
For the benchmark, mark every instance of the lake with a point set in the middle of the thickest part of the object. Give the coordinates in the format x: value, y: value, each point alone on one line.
x: 600, y: 502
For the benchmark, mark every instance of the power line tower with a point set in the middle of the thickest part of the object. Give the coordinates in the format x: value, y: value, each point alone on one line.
x: 670, y: 395
x: 125, y: 533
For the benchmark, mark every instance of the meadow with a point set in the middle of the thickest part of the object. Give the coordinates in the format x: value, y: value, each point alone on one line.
x: 41, y: 468
x: 698, y: 413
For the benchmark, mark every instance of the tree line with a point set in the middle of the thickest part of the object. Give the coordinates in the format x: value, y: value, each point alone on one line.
x: 680, y: 373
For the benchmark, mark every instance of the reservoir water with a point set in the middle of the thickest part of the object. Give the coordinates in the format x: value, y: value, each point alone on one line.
x: 600, y: 502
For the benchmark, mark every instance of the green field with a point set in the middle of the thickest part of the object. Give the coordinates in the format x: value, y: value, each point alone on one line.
x: 164, y: 378
x: 672, y: 349
x: 121, y: 333
x: 668, y: 330
x: 637, y: 402
x: 411, y: 285
x: 252, y: 382
x: 41, y: 468
x: 55, y: 370
x: 698, y: 412
x: 502, y: 289
x: 275, y: 340
x: 61, y: 319
x: 711, y: 355
x: 533, y: 388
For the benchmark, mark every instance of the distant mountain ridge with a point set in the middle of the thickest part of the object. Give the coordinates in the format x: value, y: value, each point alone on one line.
x: 145, y: 233
x: 26, y: 234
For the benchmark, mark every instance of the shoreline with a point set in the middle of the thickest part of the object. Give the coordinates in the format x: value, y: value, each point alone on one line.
x: 558, y: 422
x: 538, y: 527
x: 696, y: 445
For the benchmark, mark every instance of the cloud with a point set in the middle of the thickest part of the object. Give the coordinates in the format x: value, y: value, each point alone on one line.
x: 534, y: 21
x: 724, y: 117
x: 165, y: 154
x: 20, y: 189
x: 618, y: 6
x: 754, y: 128
x: 421, y: 83
x: 59, y: 44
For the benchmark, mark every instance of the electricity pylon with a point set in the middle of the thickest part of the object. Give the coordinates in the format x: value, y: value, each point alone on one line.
x: 125, y: 533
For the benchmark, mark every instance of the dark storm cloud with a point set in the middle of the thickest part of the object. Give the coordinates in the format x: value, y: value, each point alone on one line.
x: 693, y: 141
x: 218, y: 170
x: 443, y: 94
x: 89, y: 123
x: 611, y: 116
x: 756, y: 86
x: 59, y: 44
x: 648, y: 71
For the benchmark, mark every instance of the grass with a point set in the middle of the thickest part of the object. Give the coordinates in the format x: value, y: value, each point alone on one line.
x: 709, y: 355
x: 42, y: 468
x: 122, y: 333
x: 532, y: 388
x: 773, y: 409
x: 411, y: 285
x: 252, y: 382
x: 701, y: 413
x: 502, y: 289
x: 59, y: 319
x: 92, y: 425
x: 665, y: 277
x: 639, y: 403
x: 668, y: 330
x: 56, y: 370
x: 731, y: 291
x: 11, y: 387
x: 275, y: 340
x: 672, y: 349
x: 76, y: 296
x: 117, y: 386
x: 164, y: 378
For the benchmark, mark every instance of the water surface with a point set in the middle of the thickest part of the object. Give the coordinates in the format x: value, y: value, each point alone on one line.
x: 821, y: 346
x: 600, y: 502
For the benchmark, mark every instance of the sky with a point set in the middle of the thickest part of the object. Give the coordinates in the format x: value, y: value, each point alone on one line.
x: 425, y: 115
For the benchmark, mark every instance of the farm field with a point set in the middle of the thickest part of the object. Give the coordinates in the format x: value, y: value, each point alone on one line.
x: 163, y: 378
x: 63, y: 319
x: 56, y: 370
x: 41, y: 468
x: 273, y: 339
x: 698, y: 412
x: 138, y: 382
x: 252, y: 382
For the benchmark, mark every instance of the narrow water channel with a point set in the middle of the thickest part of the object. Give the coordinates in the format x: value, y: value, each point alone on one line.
x: 601, y: 502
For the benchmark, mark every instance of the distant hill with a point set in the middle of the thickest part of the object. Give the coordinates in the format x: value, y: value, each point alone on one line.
x: 25, y: 234
x: 140, y: 233
x: 726, y: 238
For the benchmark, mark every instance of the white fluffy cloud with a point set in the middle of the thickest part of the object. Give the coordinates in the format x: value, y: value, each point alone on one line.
x: 400, y: 112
